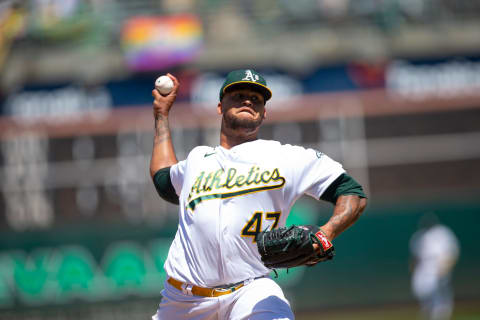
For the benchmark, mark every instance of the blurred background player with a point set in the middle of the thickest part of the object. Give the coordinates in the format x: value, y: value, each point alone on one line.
x: 435, y: 250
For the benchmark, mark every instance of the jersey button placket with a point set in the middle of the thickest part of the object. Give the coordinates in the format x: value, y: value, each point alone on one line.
x: 220, y: 237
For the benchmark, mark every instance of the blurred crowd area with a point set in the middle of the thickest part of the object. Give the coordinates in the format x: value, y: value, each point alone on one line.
x: 51, y: 40
x: 390, y: 88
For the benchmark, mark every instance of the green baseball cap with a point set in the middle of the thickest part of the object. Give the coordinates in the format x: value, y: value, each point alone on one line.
x: 248, y: 77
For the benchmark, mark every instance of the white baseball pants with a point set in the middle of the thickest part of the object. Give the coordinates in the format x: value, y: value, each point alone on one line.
x: 262, y: 299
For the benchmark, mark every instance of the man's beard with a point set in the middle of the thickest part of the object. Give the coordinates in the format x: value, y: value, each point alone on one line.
x: 241, y: 123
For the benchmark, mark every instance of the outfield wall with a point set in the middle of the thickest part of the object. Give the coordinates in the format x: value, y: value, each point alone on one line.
x: 81, y: 223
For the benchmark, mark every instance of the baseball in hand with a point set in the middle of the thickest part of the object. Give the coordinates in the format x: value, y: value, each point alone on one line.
x: 164, y: 85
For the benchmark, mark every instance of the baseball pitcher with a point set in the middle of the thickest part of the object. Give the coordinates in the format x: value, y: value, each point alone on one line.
x: 234, y: 200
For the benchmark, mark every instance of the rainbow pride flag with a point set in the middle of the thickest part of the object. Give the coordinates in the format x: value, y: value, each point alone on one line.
x: 153, y: 43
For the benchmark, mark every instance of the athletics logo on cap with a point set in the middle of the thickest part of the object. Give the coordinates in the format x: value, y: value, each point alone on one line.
x: 246, y: 77
x: 250, y: 76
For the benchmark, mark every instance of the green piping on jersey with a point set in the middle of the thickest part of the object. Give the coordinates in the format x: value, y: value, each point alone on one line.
x: 192, y: 204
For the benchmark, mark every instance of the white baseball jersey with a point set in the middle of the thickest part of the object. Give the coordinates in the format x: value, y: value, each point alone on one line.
x: 228, y: 196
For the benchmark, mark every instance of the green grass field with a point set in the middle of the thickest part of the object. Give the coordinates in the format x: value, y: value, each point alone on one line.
x: 143, y: 309
x: 463, y: 311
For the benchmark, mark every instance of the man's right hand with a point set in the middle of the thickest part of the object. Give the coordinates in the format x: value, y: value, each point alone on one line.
x: 162, y: 104
x: 163, y: 154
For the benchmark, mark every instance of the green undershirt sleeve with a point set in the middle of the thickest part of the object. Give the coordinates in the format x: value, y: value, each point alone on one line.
x: 343, y: 185
x: 164, y: 185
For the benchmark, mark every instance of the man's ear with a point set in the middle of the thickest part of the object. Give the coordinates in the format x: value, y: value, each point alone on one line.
x: 219, y: 108
x: 264, y: 113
